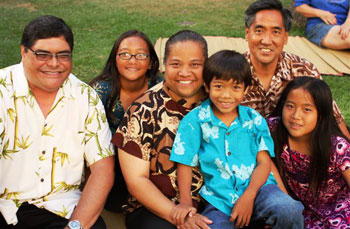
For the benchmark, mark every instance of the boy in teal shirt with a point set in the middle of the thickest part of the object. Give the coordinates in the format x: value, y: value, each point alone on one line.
x: 232, y: 145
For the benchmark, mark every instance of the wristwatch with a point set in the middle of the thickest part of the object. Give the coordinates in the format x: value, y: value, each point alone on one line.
x: 74, y: 224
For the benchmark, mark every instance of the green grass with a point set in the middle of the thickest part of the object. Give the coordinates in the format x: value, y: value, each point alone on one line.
x: 97, y: 23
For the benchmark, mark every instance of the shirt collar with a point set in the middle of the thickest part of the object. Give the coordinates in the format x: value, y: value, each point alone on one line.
x: 206, y: 114
x: 181, y: 101
x: 21, y: 86
x: 280, y: 63
x: 20, y: 83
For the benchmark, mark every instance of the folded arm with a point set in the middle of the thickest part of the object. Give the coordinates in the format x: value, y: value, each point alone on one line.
x: 136, y: 174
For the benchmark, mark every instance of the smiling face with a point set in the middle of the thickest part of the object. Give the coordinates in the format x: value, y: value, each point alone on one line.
x: 184, y: 69
x: 225, y: 97
x: 299, y: 114
x: 266, y: 38
x: 46, y: 76
x: 133, y: 69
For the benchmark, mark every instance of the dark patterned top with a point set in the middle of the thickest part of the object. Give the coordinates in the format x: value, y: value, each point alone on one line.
x: 147, y: 131
x: 333, y: 210
x: 289, y: 66
x: 103, y: 88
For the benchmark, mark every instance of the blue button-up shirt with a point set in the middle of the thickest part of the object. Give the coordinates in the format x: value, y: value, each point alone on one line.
x: 226, y: 155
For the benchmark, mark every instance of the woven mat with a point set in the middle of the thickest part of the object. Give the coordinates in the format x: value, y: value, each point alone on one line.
x: 328, y: 62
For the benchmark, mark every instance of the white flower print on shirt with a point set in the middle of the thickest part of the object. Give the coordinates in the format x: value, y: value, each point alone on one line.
x: 204, y: 113
x: 179, y: 146
x: 195, y: 160
x: 248, y: 124
x: 263, y: 145
x: 258, y: 120
x: 207, y: 132
x: 224, y: 170
x: 190, y: 125
x: 244, y: 172
x: 205, y: 191
x: 234, y: 197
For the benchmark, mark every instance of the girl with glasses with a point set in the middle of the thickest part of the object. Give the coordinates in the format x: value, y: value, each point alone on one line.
x: 130, y: 70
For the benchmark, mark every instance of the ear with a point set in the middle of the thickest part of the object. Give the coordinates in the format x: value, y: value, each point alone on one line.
x: 23, y: 52
x: 286, y: 38
x: 246, y: 33
x: 206, y: 87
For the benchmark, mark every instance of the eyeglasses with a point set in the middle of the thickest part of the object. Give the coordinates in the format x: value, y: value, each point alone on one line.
x: 128, y: 56
x: 45, y: 56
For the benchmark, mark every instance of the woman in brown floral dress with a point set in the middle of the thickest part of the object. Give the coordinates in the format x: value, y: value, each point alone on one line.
x: 146, y: 134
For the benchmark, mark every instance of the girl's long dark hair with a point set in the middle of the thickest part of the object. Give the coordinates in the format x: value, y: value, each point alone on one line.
x: 111, y: 74
x: 326, y: 127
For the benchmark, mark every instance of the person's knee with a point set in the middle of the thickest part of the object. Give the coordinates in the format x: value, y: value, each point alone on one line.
x: 284, y: 208
x: 290, y: 212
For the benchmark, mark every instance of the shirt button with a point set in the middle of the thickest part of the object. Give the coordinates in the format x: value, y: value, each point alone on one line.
x: 42, y: 179
x: 228, y: 133
x: 229, y: 153
x: 43, y: 152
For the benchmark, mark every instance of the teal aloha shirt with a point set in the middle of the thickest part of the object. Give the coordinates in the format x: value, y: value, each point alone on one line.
x: 226, y: 155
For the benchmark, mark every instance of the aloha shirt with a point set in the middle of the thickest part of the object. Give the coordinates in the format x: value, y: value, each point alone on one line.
x: 147, y: 131
x: 226, y: 155
x: 42, y: 159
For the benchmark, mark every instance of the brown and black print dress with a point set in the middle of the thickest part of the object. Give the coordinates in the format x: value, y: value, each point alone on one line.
x: 147, y: 131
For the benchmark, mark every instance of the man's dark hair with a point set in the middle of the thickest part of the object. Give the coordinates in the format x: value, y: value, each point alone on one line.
x: 46, y: 26
x: 259, y: 5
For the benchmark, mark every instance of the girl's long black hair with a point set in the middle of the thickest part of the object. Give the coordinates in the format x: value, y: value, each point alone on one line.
x: 111, y: 74
x: 326, y: 127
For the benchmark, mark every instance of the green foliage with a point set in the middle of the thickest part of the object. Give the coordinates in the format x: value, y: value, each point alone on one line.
x: 97, y: 23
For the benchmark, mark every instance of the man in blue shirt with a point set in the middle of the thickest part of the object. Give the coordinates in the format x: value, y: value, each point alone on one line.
x: 232, y: 145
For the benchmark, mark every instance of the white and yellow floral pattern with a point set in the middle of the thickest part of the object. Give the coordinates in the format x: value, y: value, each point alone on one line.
x: 42, y: 159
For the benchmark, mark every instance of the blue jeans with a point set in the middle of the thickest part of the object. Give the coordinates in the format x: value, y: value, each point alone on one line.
x: 271, y: 205
x: 317, y: 32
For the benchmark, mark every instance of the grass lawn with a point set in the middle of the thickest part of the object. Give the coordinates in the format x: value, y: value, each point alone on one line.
x: 97, y: 23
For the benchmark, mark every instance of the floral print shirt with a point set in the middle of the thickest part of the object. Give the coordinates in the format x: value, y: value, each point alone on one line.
x: 147, y: 131
x: 103, y: 88
x: 333, y: 210
x: 289, y: 66
x: 226, y: 154
x: 42, y: 159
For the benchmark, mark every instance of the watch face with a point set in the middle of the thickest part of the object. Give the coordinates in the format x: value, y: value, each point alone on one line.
x: 75, y: 224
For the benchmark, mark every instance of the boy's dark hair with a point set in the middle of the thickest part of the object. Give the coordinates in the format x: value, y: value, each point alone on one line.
x: 111, y: 74
x: 46, y: 26
x: 226, y: 65
x: 182, y: 36
x: 259, y: 5
x: 326, y: 128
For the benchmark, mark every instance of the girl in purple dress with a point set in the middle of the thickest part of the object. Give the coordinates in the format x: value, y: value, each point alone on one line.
x: 312, y: 155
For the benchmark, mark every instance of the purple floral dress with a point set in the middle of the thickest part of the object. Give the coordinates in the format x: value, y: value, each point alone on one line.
x: 333, y: 210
